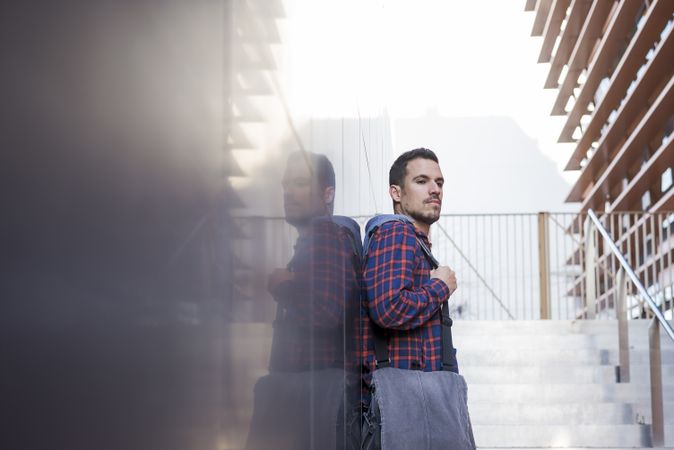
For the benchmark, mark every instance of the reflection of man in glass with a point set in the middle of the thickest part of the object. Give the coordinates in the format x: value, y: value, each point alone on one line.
x: 310, y: 291
x: 300, y: 403
x: 308, y: 188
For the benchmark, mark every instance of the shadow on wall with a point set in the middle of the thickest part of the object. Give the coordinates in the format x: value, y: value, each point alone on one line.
x: 490, y: 164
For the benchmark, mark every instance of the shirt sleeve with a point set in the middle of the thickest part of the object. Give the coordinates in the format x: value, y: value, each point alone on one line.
x: 393, y: 300
x: 324, y: 280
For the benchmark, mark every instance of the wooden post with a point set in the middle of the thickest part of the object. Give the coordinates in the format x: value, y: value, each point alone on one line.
x: 590, y: 272
x: 544, y: 265
x: 623, y: 331
x: 657, y: 410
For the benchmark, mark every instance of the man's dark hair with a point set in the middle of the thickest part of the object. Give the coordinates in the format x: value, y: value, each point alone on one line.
x: 399, y: 168
x: 320, y: 165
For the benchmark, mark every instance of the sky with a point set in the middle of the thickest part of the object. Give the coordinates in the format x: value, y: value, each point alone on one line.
x: 468, y: 67
x: 454, y: 58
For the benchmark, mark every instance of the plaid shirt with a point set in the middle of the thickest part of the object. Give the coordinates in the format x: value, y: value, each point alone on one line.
x: 317, y: 311
x: 403, y: 300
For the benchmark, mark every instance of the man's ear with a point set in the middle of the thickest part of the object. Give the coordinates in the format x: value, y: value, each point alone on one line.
x: 394, y: 192
x: 329, y: 195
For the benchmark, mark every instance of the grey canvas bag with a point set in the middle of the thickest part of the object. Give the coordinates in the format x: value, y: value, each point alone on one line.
x: 422, y: 410
x: 412, y: 408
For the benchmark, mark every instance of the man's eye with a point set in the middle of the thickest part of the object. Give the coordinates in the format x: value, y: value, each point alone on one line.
x: 421, y: 181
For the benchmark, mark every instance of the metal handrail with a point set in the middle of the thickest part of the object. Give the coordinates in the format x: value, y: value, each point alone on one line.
x: 657, y: 403
x: 630, y: 272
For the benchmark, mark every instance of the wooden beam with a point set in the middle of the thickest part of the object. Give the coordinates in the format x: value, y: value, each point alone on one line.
x: 577, y: 15
x: 620, y: 25
x: 552, y: 28
x: 657, y: 71
x: 648, y: 176
x: 542, y: 11
x: 626, y: 71
x: 652, y: 122
x: 580, y: 56
x: 544, y: 265
x: 666, y: 202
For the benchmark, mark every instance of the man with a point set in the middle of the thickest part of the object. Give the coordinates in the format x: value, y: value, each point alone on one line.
x: 299, y: 405
x: 404, y: 295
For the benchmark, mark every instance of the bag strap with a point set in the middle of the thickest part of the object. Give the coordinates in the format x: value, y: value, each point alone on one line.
x: 449, y: 363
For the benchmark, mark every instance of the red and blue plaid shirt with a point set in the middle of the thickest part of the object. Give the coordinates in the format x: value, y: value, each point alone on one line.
x: 318, y: 310
x: 402, y: 299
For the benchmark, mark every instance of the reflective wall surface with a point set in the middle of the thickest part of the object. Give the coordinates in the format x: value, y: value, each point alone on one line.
x: 114, y: 280
x: 144, y: 150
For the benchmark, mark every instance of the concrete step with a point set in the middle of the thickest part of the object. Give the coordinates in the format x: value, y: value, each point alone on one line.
x: 561, y: 393
x: 506, y: 326
x: 562, y: 435
x: 640, y: 373
x: 575, y: 448
x: 560, y: 374
x: 547, y: 384
x: 514, y: 357
x: 547, y: 326
x: 642, y: 356
x: 638, y: 329
x: 552, y: 414
x: 643, y: 409
x: 597, y: 413
x: 549, y: 341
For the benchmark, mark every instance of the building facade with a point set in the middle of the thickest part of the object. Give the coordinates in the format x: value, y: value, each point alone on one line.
x: 611, y: 63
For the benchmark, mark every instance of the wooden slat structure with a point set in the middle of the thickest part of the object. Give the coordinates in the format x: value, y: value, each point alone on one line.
x: 585, y: 44
x: 542, y: 10
x: 552, y: 28
x: 633, y: 58
x: 577, y: 13
x: 612, y: 42
x: 613, y: 63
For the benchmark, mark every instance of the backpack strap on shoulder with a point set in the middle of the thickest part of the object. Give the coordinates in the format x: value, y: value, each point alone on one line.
x: 382, y: 356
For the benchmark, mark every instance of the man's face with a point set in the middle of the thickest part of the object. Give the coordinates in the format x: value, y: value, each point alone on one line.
x: 420, y: 197
x: 303, y: 199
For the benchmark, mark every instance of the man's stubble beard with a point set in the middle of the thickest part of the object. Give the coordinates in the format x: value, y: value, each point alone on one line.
x: 427, y: 218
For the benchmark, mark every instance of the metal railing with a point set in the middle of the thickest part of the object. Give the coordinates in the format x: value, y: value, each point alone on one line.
x: 507, y: 263
x: 646, y: 240
x: 553, y: 266
x: 516, y: 266
x: 657, y: 407
x: 565, y: 266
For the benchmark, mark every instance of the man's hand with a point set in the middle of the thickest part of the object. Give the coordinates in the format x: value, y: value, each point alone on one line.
x: 277, y: 277
x: 447, y: 275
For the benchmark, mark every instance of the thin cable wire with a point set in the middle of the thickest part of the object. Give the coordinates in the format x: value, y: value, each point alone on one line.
x: 467, y: 261
x: 367, y: 163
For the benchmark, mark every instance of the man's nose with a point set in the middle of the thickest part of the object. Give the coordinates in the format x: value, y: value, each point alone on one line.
x: 434, y: 188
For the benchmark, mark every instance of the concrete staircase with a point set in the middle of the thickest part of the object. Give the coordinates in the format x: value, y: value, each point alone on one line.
x: 552, y: 384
